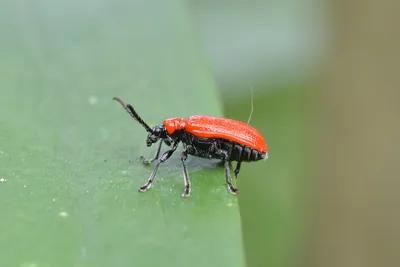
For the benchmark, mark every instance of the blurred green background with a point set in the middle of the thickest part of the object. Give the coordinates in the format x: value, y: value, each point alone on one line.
x: 69, y: 155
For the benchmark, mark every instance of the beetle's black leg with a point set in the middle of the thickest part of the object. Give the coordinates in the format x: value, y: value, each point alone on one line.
x: 148, y: 161
x: 186, y: 192
x: 237, y: 169
x: 225, y: 156
x: 163, y: 158
x: 233, y: 190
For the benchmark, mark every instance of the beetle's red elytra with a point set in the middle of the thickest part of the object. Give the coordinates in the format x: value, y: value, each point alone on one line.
x: 214, y: 127
x: 205, y: 137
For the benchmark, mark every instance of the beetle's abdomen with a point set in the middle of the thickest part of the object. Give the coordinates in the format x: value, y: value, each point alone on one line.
x: 239, y: 152
x: 208, y: 148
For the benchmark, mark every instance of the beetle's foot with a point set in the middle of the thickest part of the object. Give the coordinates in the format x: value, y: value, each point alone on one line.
x: 143, y: 160
x: 144, y: 188
x: 186, y: 192
x: 146, y: 161
x: 233, y: 190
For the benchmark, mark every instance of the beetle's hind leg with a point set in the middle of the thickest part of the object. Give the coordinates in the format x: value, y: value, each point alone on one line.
x: 237, y: 169
x: 148, y: 161
x: 186, y: 192
x: 225, y: 156
x: 233, y: 190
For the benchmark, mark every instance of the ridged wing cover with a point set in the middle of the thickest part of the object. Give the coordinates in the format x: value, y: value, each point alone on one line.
x: 237, y: 131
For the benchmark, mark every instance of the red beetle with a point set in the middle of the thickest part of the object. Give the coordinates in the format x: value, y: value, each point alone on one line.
x: 205, y: 137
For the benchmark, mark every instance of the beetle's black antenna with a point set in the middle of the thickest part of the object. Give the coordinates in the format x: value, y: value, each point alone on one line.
x: 133, y: 113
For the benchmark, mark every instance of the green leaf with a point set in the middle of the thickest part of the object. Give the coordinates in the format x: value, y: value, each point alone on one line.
x: 69, y: 154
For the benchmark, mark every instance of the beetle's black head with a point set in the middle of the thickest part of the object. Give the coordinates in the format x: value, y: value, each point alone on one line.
x: 155, y: 134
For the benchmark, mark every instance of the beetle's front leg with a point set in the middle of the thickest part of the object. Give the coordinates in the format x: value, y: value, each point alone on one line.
x: 148, y: 161
x: 166, y: 155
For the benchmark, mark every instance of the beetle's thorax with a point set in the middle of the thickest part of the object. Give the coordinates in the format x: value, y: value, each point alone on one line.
x: 174, y: 124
